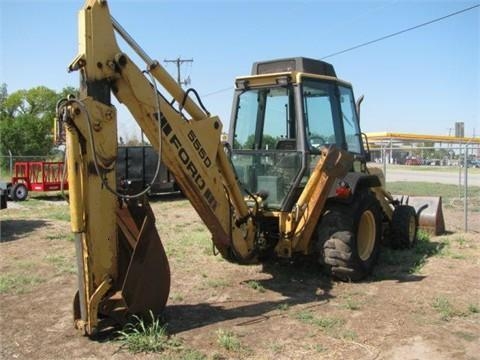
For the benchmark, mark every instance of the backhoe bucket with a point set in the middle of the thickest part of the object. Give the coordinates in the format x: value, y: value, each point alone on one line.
x: 429, y: 211
x: 146, y: 285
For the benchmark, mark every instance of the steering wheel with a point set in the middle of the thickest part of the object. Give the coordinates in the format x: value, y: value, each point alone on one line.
x: 317, y: 141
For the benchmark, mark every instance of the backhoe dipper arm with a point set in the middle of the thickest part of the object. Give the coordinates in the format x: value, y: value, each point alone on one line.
x: 191, y: 149
x: 116, y: 242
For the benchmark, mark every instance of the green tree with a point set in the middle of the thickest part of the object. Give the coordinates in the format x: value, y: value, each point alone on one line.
x: 267, y: 141
x: 26, y: 120
x: 133, y: 141
x: 429, y: 153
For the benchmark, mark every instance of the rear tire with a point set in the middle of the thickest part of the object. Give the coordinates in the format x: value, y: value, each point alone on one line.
x: 349, y: 237
x: 19, y: 192
x: 403, y: 234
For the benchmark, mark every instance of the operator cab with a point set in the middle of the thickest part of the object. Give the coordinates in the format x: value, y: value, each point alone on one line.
x: 283, y: 114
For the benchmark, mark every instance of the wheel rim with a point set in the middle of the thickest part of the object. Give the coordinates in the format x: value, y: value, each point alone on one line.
x: 366, y: 235
x: 20, y: 192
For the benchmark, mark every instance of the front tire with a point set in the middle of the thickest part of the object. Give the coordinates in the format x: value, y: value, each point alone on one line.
x: 403, y: 234
x: 349, y: 237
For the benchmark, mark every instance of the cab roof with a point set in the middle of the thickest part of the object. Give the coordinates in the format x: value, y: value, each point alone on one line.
x: 295, y: 64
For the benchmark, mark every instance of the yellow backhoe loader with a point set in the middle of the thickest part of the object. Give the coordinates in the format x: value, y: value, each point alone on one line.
x: 291, y: 179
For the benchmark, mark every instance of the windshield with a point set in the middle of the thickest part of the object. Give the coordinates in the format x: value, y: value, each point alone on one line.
x: 320, y: 113
x: 265, y: 117
x: 276, y: 142
x: 326, y: 122
x: 265, y: 153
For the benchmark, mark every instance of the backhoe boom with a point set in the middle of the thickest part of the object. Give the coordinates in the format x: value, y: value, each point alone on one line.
x: 122, y: 264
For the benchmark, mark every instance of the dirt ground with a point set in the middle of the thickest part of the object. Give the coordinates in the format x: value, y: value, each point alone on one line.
x: 417, y: 304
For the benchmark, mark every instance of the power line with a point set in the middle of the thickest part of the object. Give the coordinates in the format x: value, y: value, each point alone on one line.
x: 349, y: 22
x: 218, y: 91
x: 374, y: 41
x: 400, y: 32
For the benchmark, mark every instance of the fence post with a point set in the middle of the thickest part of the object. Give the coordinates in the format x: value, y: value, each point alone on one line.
x: 10, y: 159
x: 465, y: 195
x: 384, y: 161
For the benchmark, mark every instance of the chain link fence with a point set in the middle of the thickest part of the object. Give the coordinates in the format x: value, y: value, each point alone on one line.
x: 7, y: 163
x: 460, y: 158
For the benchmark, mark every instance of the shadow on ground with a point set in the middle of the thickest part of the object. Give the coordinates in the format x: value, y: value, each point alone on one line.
x: 404, y: 265
x: 293, y: 283
x: 170, y: 196
x: 11, y: 230
x: 296, y: 283
x: 49, y: 196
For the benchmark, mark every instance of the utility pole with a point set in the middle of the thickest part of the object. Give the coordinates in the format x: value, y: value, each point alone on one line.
x: 178, y: 61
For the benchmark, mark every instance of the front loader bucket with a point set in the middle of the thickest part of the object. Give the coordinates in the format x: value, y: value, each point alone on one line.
x: 429, y: 211
x: 146, y: 285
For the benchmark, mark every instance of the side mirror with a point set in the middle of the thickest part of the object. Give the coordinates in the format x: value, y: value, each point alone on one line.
x: 357, y: 105
x: 368, y: 156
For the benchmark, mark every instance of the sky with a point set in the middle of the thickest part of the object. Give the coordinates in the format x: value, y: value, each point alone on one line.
x: 421, y: 81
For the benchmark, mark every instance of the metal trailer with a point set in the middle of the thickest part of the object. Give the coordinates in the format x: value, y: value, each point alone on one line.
x: 136, y: 167
x: 36, y: 176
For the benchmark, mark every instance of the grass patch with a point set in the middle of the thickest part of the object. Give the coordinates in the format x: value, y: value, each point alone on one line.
x: 178, y: 204
x: 461, y: 241
x: 228, y: 340
x: 445, y: 308
x: 200, y: 228
x: 146, y: 336
x: 329, y: 325
x: 283, y: 307
x: 23, y: 264
x: 349, y: 335
x: 473, y: 309
x: 68, y: 237
x: 466, y: 336
x: 18, y: 283
x: 186, y: 239
x: 188, y: 354
x: 59, y: 213
x: 319, y: 348
x: 305, y: 317
x: 218, y: 283
x: 255, y: 285
x: 351, y: 304
x: 62, y: 264
x: 420, y: 168
x: 176, y: 297
x: 277, y: 348
x: 195, y: 238
x: 55, y: 236
x: 450, y: 250
x: 407, y: 261
x: 430, y: 189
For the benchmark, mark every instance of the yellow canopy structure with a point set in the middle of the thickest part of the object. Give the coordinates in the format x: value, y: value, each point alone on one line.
x: 391, y: 136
